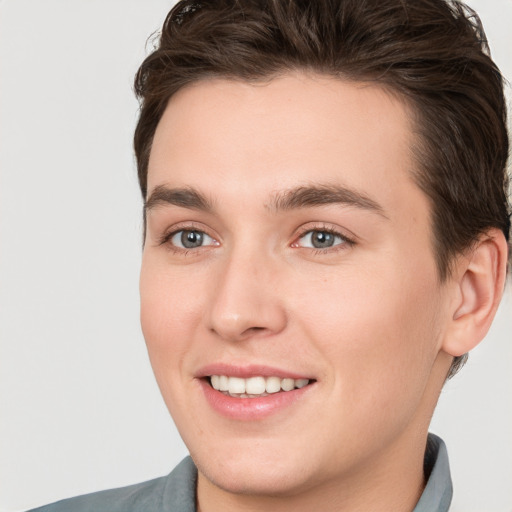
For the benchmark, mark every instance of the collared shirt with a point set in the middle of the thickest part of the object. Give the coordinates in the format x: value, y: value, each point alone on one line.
x: 438, y: 492
x: 176, y: 492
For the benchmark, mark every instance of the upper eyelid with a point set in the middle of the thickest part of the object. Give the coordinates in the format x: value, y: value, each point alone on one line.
x: 344, y: 240
x: 186, y: 226
x: 320, y: 229
x: 329, y: 228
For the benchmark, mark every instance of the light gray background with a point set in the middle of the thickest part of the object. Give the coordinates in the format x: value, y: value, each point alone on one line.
x: 79, y: 409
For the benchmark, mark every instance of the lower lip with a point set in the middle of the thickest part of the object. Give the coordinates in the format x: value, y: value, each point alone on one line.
x: 251, y: 409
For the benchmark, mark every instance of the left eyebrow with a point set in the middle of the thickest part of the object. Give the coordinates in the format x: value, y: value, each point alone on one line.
x: 321, y: 195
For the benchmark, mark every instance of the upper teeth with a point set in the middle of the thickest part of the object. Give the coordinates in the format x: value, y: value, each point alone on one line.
x: 255, y: 385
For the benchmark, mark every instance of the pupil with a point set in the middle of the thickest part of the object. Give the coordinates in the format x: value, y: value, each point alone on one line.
x: 191, y: 239
x: 321, y: 239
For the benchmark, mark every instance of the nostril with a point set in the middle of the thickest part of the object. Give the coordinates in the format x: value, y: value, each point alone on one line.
x: 253, y: 330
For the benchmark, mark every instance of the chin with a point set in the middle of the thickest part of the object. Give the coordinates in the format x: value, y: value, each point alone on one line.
x: 256, y: 479
x: 264, y: 472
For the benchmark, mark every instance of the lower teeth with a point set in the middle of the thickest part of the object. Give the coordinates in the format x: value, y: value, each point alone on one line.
x: 243, y: 395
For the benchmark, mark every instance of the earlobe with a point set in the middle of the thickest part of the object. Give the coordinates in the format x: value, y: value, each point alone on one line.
x: 480, y: 282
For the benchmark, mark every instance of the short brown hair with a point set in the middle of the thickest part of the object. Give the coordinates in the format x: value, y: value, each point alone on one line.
x: 432, y: 53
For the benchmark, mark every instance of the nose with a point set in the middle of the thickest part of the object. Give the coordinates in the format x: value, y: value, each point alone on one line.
x: 246, y: 300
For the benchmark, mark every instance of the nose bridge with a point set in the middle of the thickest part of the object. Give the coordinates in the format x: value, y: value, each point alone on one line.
x: 245, y: 299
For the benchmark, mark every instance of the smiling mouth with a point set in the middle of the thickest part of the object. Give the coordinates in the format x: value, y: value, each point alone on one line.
x: 254, y: 387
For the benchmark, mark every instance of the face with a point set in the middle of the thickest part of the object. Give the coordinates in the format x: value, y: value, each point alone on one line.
x: 289, y: 294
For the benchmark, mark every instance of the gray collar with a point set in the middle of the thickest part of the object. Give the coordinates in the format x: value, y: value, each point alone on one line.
x: 437, y: 495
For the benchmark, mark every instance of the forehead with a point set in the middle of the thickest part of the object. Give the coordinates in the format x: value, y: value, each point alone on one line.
x: 230, y: 137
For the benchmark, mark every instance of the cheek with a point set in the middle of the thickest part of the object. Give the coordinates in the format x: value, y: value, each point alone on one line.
x: 168, y: 317
x: 167, y: 313
x: 378, y: 334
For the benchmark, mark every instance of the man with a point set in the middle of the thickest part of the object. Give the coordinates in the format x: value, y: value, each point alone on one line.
x: 326, y: 233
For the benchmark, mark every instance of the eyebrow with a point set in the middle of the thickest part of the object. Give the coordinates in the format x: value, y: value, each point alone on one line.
x: 321, y: 195
x: 291, y: 199
x: 183, y: 197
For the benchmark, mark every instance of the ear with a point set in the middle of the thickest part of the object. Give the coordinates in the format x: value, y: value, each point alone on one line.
x: 479, y: 279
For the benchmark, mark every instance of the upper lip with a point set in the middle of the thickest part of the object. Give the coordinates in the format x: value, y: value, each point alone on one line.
x: 247, y: 371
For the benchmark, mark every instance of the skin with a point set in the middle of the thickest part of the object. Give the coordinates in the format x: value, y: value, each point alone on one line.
x: 368, y: 319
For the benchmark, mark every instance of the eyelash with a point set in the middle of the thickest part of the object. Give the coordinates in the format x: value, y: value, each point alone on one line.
x: 168, y: 235
x: 346, y: 241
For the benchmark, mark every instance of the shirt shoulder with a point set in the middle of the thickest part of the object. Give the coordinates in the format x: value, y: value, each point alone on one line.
x: 173, y: 492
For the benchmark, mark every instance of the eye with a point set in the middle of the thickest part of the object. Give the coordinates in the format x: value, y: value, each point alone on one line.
x: 191, y: 239
x: 320, y: 239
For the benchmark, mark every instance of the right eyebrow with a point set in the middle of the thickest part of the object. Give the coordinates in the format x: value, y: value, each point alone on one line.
x: 183, y: 197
